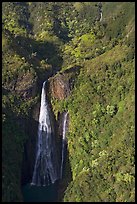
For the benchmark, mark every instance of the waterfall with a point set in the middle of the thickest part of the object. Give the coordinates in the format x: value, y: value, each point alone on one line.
x: 45, y: 169
x: 101, y: 16
x: 63, y: 141
x: 100, y: 11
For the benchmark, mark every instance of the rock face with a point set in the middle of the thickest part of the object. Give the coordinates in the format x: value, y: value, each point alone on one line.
x: 59, y: 87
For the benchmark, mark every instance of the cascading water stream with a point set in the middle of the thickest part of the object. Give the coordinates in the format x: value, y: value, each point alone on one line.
x: 101, y: 16
x: 63, y: 141
x: 101, y: 12
x: 46, y: 165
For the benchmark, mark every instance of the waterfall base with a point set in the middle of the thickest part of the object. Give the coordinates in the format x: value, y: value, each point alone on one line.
x: 40, y: 193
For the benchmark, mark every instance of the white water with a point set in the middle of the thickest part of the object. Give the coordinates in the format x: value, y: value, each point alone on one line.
x: 45, y: 169
x: 63, y: 140
x: 101, y: 16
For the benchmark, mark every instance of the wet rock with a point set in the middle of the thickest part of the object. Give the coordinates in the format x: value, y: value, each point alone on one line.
x: 59, y: 87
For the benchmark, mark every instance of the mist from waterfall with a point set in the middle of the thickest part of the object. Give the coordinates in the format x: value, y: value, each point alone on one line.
x: 46, y: 164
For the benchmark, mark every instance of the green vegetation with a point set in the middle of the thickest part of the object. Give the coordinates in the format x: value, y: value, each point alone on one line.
x: 101, y: 129
x: 42, y: 39
x: 101, y: 109
x: 12, y: 152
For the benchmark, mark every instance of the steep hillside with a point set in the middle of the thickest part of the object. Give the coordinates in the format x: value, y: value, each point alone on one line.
x: 89, y: 65
x: 102, y: 124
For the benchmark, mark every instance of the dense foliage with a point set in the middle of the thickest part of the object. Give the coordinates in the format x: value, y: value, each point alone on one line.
x: 40, y: 39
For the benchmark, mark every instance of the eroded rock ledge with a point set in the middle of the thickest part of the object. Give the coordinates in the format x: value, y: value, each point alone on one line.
x: 60, y: 85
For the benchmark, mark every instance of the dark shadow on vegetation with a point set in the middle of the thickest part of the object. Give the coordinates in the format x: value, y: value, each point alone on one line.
x: 66, y: 171
x: 26, y: 14
x: 74, y: 72
x: 5, y: 91
x: 14, y: 133
x: 67, y: 176
x: 29, y: 155
x: 75, y: 69
x: 35, y: 51
x: 60, y: 32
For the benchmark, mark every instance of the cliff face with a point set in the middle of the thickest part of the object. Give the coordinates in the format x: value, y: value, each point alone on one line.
x: 60, y: 88
x: 60, y: 85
